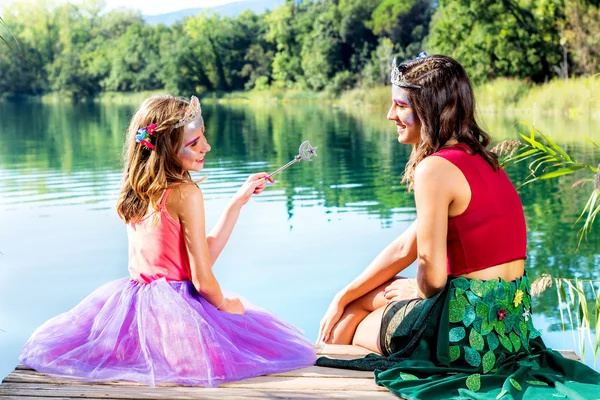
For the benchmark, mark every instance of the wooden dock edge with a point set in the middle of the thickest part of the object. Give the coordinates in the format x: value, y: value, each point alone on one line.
x: 306, y: 383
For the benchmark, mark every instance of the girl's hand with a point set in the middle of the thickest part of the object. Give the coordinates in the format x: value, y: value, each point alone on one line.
x: 331, y: 318
x: 233, y: 306
x: 402, y: 289
x: 255, y: 184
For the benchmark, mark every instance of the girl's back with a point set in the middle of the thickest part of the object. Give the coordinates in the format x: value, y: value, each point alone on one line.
x: 157, y: 247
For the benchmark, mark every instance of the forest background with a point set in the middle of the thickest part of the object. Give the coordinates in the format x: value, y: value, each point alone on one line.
x: 81, y: 51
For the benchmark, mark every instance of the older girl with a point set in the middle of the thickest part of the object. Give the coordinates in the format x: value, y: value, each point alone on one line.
x: 463, y: 329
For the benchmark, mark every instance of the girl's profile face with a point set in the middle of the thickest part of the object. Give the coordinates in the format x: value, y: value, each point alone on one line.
x: 194, y: 147
x: 401, y: 112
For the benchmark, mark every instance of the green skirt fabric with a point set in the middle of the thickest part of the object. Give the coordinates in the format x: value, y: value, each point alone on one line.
x: 475, y: 340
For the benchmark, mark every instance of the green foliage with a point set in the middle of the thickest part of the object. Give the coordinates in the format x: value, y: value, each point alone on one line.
x: 580, y: 32
x: 500, y: 39
x: 81, y: 50
x: 547, y: 160
x: 406, y: 23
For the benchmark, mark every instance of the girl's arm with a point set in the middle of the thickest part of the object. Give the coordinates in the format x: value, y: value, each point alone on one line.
x: 190, y: 210
x: 391, y: 261
x: 219, y: 235
x: 434, y: 188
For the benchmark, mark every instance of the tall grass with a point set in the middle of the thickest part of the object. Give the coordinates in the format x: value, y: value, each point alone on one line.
x: 576, y: 97
x: 573, y: 98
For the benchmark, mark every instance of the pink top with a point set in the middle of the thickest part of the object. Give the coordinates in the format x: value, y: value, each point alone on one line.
x: 491, y: 231
x: 157, y: 248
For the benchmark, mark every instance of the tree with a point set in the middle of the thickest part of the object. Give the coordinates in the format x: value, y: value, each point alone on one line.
x: 406, y: 23
x: 580, y: 32
x: 496, y: 39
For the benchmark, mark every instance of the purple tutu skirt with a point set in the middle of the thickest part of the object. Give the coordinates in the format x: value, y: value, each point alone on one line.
x: 163, y: 332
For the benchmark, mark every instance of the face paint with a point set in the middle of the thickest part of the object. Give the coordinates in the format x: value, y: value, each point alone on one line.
x: 400, y: 96
x: 194, y: 147
x: 191, y: 141
x: 402, y: 114
x: 187, y: 152
x: 409, y: 119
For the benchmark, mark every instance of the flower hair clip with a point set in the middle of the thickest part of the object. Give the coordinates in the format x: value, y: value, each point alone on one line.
x: 143, y: 136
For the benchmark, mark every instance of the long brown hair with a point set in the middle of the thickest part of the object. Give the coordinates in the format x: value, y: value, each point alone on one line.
x: 147, y: 173
x: 445, y: 106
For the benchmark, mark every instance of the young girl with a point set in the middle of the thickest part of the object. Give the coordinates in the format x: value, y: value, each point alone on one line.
x: 463, y: 329
x: 169, y: 321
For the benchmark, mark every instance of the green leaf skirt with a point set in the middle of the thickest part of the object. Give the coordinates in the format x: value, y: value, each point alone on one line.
x: 475, y: 340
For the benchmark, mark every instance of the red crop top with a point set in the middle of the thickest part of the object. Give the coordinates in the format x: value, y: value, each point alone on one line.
x: 491, y: 231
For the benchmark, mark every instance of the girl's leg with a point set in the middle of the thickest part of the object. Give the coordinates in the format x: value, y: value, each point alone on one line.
x: 359, y: 309
x: 367, y: 332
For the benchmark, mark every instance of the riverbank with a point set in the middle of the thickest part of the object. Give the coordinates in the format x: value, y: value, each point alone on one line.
x: 573, y: 98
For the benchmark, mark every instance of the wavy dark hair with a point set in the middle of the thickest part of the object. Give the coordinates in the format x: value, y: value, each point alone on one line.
x: 147, y: 173
x: 445, y: 106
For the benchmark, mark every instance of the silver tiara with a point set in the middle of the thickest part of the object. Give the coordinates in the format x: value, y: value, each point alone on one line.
x: 192, y: 112
x: 397, y: 76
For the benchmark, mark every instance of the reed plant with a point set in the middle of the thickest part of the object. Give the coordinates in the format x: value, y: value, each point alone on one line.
x: 547, y: 160
x: 16, y: 49
x: 573, y: 294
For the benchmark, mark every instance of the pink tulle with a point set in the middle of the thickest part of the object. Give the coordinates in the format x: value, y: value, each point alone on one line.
x: 163, y: 332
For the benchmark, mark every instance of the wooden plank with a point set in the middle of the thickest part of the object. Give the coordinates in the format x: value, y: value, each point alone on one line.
x: 569, y: 354
x: 259, y: 382
x: 301, y: 384
x: 29, y: 375
x: 179, y: 393
x: 41, y: 398
x: 306, y: 383
x: 331, y: 350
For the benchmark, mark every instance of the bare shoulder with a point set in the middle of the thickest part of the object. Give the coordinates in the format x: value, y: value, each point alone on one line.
x: 184, y: 196
x: 434, y: 171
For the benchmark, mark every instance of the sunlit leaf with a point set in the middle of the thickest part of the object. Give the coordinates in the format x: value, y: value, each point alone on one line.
x: 562, y: 171
x: 556, y: 147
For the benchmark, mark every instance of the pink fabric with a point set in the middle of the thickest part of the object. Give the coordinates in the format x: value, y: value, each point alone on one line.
x: 491, y: 231
x: 157, y: 248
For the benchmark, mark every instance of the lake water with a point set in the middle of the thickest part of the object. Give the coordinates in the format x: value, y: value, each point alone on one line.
x: 294, y: 246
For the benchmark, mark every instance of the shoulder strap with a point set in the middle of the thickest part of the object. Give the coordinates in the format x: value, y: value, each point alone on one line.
x: 163, y: 200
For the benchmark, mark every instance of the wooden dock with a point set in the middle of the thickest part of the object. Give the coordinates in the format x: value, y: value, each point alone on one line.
x: 307, y: 383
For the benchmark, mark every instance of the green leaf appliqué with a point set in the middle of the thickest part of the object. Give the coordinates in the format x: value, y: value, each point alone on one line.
x: 472, y: 356
x: 488, y: 361
x: 469, y: 316
x: 457, y: 311
x: 477, y: 287
x: 454, y: 353
x: 456, y: 334
x: 408, y: 377
x: 474, y: 382
x: 492, y: 341
x: 476, y: 340
x: 505, y: 342
x: 537, y: 383
x: 515, y: 384
x: 482, y: 310
x: 514, y: 338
